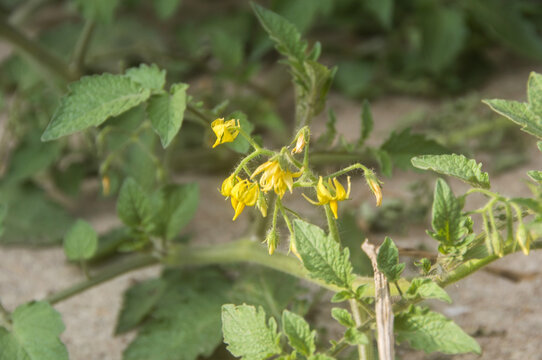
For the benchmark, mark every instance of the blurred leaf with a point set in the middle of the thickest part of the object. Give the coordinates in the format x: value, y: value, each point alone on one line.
x: 185, y: 321
x: 134, y: 206
x: 3, y: 214
x: 354, y: 77
x: 248, y: 333
x: 91, y: 101
x: 366, y: 122
x: 166, y: 112
x: 430, y: 331
x: 388, y: 260
x: 454, y: 165
x: 150, y: 77
x: 99, y: 10
x: 32, y: 218
x: 81, y: 241
x: 69, y: 180
x: 35, y: 334
x: 403, y: 146
x: 300, y: 336
x: 382, y: 10
x: 228, y: 48
x: 343, y: 317
x: 322, y: 256
x: 534, y: 93
x: 520, y: 113
x: 502, y: 19
x: 351, y: 237
x: 355, y: 337
x: 138, y: 301
x: 304, y: 13
x: 180, y: 203
x: 165, y: 9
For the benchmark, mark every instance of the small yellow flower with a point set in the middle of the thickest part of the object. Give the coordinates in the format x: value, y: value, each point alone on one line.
x: 274, y: 178
x: 374, y: 185
x: 330, y: 194
x: 228, y: 184
x: 225, y: 131
x: 244, y: 193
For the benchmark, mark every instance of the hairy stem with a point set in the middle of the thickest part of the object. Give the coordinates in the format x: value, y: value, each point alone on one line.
x: 363, y: 351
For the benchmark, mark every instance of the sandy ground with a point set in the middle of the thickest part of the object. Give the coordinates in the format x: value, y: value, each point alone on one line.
x: 503, y: 315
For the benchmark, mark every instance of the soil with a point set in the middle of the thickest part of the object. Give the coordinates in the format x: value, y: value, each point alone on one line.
x: 501, y: 314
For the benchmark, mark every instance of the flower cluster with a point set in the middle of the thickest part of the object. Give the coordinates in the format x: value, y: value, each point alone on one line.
x: 275, y: 178
x: 330, y: 193
x: 241, y: 192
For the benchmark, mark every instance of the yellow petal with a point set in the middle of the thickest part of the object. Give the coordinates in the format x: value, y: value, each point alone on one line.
x: 333, y: 206
x: 238, y: 210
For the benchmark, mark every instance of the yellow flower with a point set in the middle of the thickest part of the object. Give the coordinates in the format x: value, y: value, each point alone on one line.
x: 330, y: 194
x: 244, y: 193
x: 225, y: 131
x: 228, y: 185
x: 274, y: 178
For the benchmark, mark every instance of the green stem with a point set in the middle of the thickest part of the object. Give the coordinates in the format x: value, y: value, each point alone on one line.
x: 35, y: 51
x: 346, y: 170
x: 203, y: 119
x: 362, y: 349
x: 332, y: 224
x: 118, y: 269
x: 81, y: 47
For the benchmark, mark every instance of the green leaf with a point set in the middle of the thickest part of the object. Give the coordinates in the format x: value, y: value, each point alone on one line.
x: 533, y: 204
x: 322, y: 256
x: 426, y: 289
x: 355, y: 337
x: 284, y: 34
x: 343, y: 317
x: 447, y: 221
x: 270, y: 289
x: 454, y: 165
x: 520, y: 113
x: 444, y: 32
x: 431, y: 331
x: 240, y: 144
x: 133, y: 205
x: 341, y: 296
x: 91, y: 101
x: 81, y: 242
x: 99, y: 10
x: 247, y: 332
x: 385, y: 162
x: 166, y: 113
x: 300, y: 336
x: 180, y: 203
x: 185, y: 322
x: 382, y: 10
x: 150, y: 77
x: 321, y: 357
x: 354, y: 78
x: 388, y: 260
x: 35, y: 334
x: 138, y: 301
x: 403, y: 146
x: 165, y: 9
x: 366, y: 122
x: 32, y: 218
x: 534, y: 93
x: 3, y: 213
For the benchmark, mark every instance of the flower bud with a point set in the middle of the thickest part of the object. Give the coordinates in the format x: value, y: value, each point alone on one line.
x: 497, y: 244
x: 374, y: 185
x: 271, y: 239
x: 523, y: 238
x: 300, y: 143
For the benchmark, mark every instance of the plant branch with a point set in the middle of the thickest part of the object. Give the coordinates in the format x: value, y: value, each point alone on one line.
x: 80, y: 51
x: 35, y: 51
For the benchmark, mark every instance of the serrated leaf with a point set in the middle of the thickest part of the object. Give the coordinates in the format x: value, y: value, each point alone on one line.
x: 166, y: 113
x: 284, y: 34
x: 180, y: 203
x: 150, y: 77
x: 343, y: 317
x: 366, y: 122
x: 185, y: 322
x: 138, y: 302
x: 426, y: 289
x: 36, y: 327
x: 520, y: 113
x: 322, y: 256
x: 430, y: 331
x: 355, y: 337
x: 133, y: 205
x: 240, y: 144
x: 247, y: 332
x: 321, y: 357
x: 91, y: 101
x: 341, y: 296
x: 403, y: 146
x: 81, y: 241
x: 297, y: 330
x: 533, y: 204
x: 447, y: 221
x: 388, y: 260
x: 454, y: 165
x: 534, y: 93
